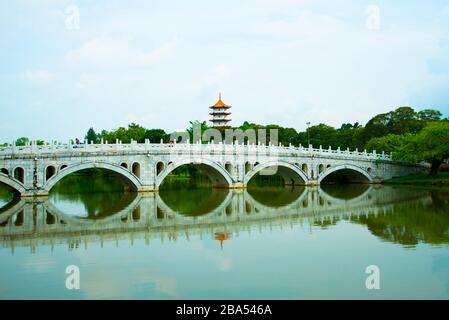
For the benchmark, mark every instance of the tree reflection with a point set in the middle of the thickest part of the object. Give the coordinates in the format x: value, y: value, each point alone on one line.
x: 412, y: 222
x: 6, y: 195
x: 101, y: 194
x: 193, y: 202
x: 272, y: 196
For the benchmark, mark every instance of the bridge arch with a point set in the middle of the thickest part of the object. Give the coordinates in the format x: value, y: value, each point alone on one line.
x: 19, y: 174
x: 289, y: 172
x: 50, y: 171
x: 348, y: 167
x: 12, y: 183
x: 121, y: 171
x: 213, y: 170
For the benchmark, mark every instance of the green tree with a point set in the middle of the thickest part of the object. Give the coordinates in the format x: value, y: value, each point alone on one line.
x: 91, y: 135
x: 346, y: 136
x: 22, y: 141
x: 429, y: 115
x: 136, y: 132
x: 400, y: 121
x: 430, y: 145
x: 389, y: 143
x: 322, y: 135
x: 155, y: 135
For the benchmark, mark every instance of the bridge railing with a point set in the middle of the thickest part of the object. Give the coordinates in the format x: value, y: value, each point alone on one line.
x: 221, y: 148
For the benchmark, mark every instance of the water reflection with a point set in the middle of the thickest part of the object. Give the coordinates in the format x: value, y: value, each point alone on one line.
x: 6, y: 195
x: 193, y: 202
x: 412, y: 222
x: 90, y: 196
x: 346, y: 192
x: 405, y: 216
x: 276, y: 196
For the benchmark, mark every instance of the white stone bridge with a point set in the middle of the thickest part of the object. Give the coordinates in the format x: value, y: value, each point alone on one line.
x: 32, y: 170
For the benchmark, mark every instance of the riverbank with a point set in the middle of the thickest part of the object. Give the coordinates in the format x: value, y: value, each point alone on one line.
x: 442, y: 179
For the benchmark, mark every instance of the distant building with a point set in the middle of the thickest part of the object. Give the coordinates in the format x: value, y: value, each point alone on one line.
x: 220, y: 114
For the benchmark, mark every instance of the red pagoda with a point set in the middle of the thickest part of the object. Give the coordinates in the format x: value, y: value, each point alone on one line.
x: 220, y: 113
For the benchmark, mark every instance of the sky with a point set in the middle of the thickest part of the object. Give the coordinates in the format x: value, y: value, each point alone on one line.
x: 70, y: 65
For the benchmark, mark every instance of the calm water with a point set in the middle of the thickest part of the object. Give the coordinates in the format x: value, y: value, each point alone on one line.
x: 266, y: 242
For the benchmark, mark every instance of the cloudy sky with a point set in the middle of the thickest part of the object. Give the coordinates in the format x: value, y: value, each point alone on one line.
x: 70, y: 65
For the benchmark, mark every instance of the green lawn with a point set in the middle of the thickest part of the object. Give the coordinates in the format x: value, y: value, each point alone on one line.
x: 442, y: 179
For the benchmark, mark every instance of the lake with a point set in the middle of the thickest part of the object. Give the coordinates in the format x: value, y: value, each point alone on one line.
x: 266, y: 242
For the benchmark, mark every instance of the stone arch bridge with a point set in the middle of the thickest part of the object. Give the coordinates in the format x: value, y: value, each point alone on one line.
x: 32, y: 170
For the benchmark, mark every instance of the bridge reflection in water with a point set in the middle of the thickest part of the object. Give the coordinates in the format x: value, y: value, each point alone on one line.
x: 37, y: 222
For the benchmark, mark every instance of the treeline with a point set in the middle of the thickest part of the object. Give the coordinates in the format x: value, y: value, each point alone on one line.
x: 125, y: 135
x: 407, y: 134
x: 403, y: 120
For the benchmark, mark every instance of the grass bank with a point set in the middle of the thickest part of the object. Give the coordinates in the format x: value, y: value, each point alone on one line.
x: 442, y: 179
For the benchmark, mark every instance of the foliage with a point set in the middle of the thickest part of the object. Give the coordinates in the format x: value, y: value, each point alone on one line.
x: 91, y: 136
x: 134, y: 132
x: 403, y: 120
x: 430, y: 145
x: 389, y: 143
x: 24, y: 140
x: 429, y: 115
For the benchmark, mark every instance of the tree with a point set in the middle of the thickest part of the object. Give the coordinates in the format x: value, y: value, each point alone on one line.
x: 346, y: 136
x: 322, y: 135
x: 403, y: 120
x: 136, y: 133
x: 429, y: 115
x: 22, y: 141
x: 389, y: 143
x: 91, y: 136
x: 430, y: 145
x: 155, y: 135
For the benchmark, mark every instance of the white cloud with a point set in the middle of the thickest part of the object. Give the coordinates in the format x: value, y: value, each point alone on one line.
x: 40, y: 76
x: 87, y: 80
x: 306, y: 24
x: 101, y: 52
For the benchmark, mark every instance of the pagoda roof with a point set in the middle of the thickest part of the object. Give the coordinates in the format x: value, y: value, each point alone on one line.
x: 220, y: 103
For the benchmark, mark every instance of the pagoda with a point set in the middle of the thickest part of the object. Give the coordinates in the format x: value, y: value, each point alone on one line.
x: 220, y: 113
